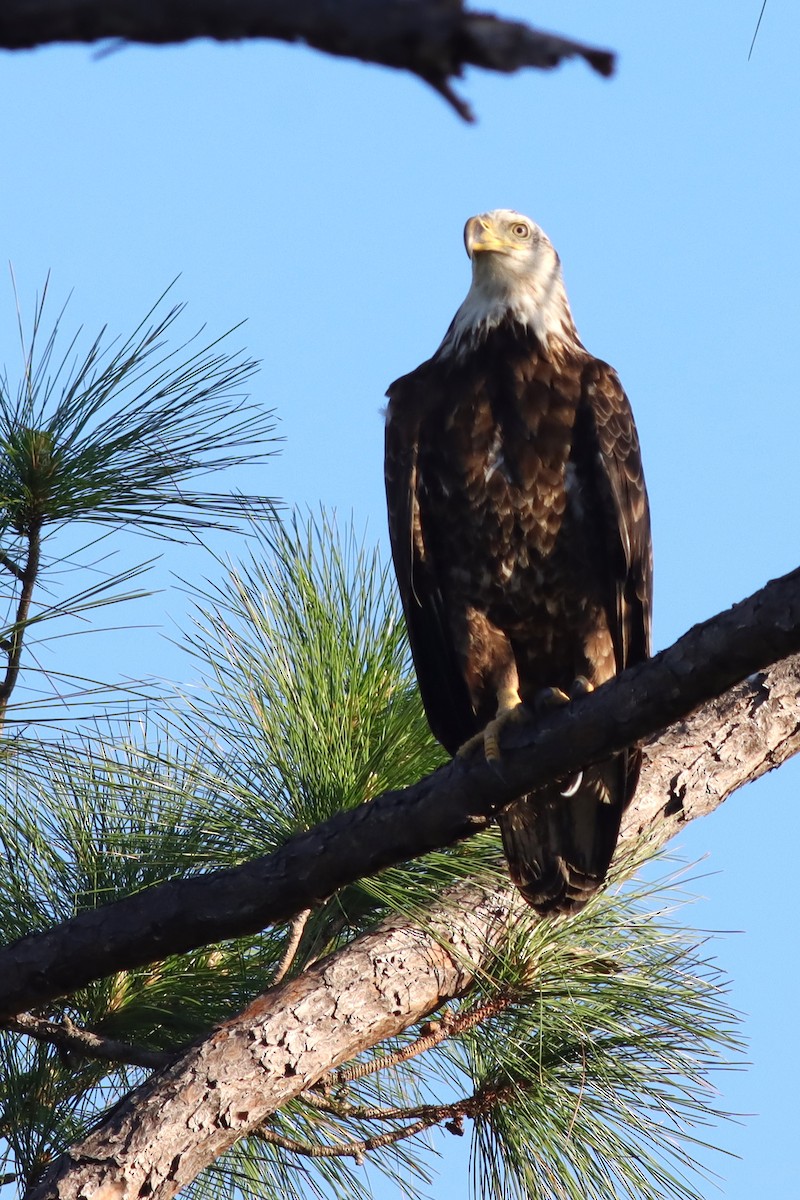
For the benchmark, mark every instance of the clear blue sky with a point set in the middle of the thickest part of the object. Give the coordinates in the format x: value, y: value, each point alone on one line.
x: 324, y: 200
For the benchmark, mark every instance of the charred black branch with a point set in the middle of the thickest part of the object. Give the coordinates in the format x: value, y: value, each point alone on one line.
x: 453, y: 803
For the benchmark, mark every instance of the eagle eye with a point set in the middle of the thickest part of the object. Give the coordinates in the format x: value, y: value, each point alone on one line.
x: 520, y: 229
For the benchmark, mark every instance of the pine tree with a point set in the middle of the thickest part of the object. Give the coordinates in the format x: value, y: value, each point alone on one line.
x: 581, y: 1055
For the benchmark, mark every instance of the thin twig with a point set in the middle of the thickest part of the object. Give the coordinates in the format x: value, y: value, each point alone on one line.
x: 12, y: 566
x: 17, y: 634
x: 758, y: 26
x: 438, y: 1031
x: 363, y: 1112
x: 68, y: 1036
x: 422, y: 1117
x: 295, y: 934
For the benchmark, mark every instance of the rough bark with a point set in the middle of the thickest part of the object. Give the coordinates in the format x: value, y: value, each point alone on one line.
x: 184, y: 1117
x: 433, y: 39
x: 451, y: 804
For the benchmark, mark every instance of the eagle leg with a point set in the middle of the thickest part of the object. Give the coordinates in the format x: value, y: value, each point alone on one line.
x: 509, y: 708
x: 506, y: 715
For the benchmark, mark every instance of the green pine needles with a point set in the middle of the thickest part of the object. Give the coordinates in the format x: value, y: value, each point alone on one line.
x: 599, y: 1070
x: 112, y: 435
x: 118, y: 431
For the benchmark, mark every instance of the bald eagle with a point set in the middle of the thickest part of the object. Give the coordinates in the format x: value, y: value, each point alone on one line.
x: 520, y: 535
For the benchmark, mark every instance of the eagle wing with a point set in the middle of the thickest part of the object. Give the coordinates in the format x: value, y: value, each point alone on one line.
x: 559, y: 846
x: 608, y: 461
x: 439, y: 670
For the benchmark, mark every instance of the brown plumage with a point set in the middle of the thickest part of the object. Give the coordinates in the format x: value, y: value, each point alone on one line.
x: 520, y: 534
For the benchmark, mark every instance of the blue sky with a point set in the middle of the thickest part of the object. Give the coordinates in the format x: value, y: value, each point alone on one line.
x: 324, y: 200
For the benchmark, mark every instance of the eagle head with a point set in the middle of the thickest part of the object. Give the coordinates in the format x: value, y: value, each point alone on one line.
x: 516, y: 275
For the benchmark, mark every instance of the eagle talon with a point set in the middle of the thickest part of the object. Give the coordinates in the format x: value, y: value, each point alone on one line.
x: 581, y: 686
x: 489, y: 738
x: 549, y: 698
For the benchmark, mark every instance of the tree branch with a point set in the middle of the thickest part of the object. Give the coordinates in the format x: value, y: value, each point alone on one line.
x: 433, y: 39
x: 10, y: 565
x: 292, y: 945
x: 70, y: 1037
x: 226, y: 1086
x: 420, y: 1118
x: 283, y: 1043
x: 453, y: 803
x: 27, y: 577
x: 433, y: 1114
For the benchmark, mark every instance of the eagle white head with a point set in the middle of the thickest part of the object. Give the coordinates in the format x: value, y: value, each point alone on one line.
x: 516, y: 273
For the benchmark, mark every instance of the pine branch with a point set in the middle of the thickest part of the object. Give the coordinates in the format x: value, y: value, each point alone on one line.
x: 453, y: 803
x: 420, y: 1118
x: 351, y: 1000
x: 10, y: 565
x: 292, y: 945
x: 27, y: 577
x: 68, y: 1036
x: 227, y: 1086
x: 433, y: 39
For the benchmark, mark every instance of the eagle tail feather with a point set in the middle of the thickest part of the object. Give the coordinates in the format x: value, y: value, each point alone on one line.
x: 559, y: 847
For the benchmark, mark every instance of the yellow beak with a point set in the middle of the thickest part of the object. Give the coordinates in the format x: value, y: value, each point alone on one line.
x: 480, y: 235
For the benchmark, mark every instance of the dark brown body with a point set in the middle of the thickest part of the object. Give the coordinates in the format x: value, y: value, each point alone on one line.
x: 521, y: 540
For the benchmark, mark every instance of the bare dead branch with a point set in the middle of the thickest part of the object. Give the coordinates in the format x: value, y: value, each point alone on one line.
x: 344, y: 1150
x: 421, y: 1117
x: 226, y: 1086
x: 295, y: 934
x: 432, y: 1114
x: 433, y: 39
x: 69, y: 1036
x: 453, y: 803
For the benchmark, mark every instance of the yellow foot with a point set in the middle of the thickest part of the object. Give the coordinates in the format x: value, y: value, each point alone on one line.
x: 491, y: 734
x: 489, y: 738
x: 511, y: 709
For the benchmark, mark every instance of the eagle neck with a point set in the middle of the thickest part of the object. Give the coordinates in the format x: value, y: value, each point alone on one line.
x: 543, y: 313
